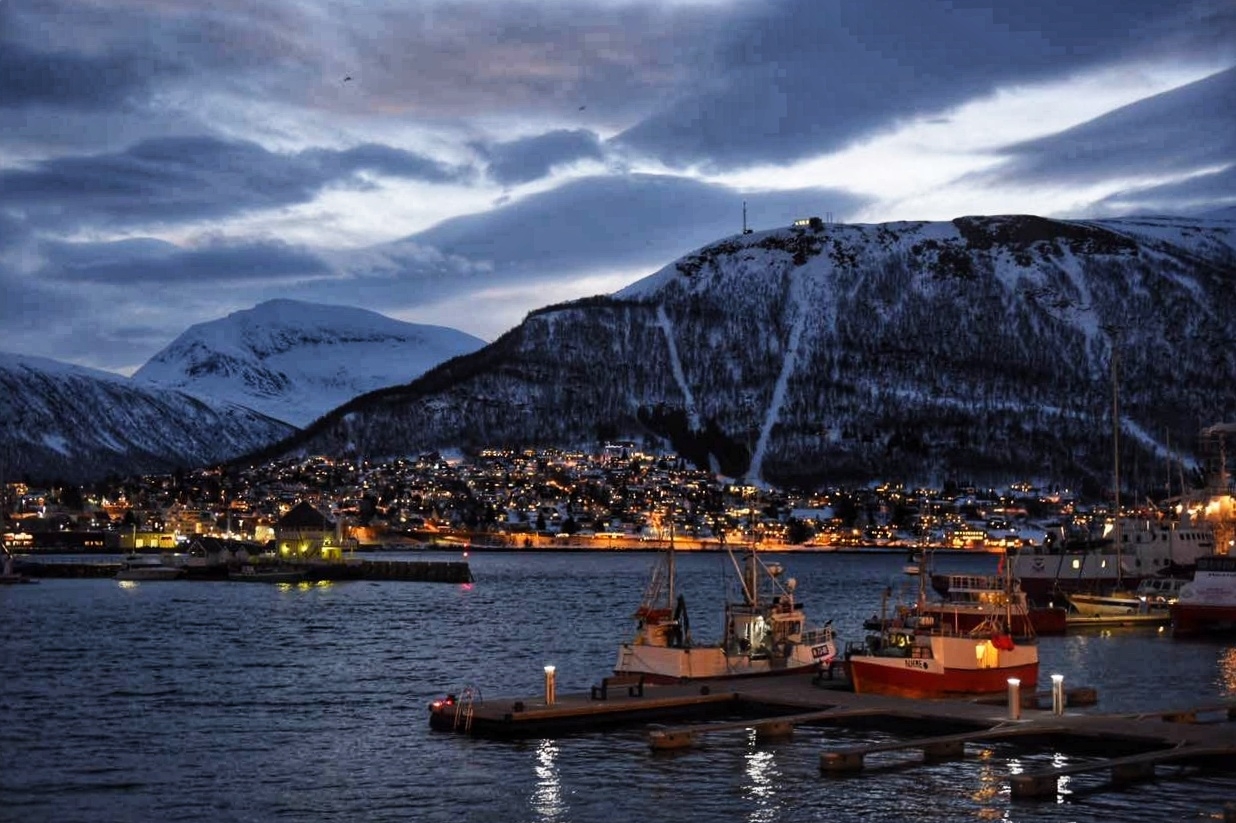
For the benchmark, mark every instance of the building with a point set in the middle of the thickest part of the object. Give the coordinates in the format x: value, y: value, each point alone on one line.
x: 304, y: 533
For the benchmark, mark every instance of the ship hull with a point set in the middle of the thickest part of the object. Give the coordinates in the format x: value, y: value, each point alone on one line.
x: 909, y: 677
x: 918, y: 665
x: 659, y: 664
x: 1189, y: 620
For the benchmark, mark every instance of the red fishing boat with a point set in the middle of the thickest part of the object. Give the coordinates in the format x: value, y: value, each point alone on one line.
x: 919, y: 655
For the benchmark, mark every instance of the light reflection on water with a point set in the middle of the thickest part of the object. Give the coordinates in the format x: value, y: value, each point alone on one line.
x: 762, y: 780
x: 547, y: 801
x: 1227, y: 670
x: 221, y: 701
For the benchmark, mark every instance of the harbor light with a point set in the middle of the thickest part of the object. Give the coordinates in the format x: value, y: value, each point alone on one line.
x: 550, y: 686
x: 1014, y: 698
x: 1057, y: 694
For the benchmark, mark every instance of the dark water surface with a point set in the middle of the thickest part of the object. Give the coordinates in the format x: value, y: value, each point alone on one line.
x: 217, y: 701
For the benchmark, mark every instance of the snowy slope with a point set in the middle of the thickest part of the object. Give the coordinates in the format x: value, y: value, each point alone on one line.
x: 295, y: 361
x: 76, y: 424
x: 968, y: 349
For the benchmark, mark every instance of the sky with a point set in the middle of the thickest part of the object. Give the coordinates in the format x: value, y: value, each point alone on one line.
x: 460, y: 163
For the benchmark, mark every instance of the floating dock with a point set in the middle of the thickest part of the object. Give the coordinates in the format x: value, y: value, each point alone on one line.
x: 677, y: 716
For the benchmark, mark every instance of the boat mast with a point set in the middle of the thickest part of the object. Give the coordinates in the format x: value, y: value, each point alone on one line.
x: 1116, y: 460
x: 670, y: 565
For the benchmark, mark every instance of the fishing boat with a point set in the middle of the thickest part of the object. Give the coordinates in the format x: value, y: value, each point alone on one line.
x: 920, y: 656
x: 766, y: 630
x: 143, y: 567
x: 968, y: 600
x: 1208, y: 603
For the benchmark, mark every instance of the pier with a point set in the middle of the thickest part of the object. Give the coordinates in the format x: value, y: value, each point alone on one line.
x: 421, y: 571
x: 1160, y: 619
x: 1130, y: 746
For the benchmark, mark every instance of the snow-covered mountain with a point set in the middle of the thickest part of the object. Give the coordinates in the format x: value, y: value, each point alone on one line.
x: 295, y: 361
x: 977, y: 349
x: 76, y: 424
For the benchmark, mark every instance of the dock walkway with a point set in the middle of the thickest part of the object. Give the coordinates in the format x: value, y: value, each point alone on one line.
x: 1133, y: 744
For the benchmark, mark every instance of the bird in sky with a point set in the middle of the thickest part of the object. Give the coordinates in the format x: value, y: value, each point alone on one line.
x: 347, y: 79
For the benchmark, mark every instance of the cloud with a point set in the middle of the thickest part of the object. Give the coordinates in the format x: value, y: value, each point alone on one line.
x: 29, y: 77
x: 805, y: 77
x: 531, y: 158
x: 1195, y: 195
x: 151, y: 262
x: 174, y: 179
x: 1177, y: 132
x: 195, y: 134
x: 619, y: 220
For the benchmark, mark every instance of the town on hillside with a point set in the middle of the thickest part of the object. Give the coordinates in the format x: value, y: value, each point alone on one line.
x: 617, y: 498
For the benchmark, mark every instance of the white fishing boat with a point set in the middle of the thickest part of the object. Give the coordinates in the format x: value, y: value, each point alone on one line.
x: 140, y: 567
x: 766, y: 631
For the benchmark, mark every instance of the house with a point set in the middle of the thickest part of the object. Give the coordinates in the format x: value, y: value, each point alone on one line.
x: 216, y: 551
x: 304, y: 533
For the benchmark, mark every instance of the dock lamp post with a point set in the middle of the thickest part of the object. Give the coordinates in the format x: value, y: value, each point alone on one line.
x: 1057, y: 694
x: 551, y: 688
x: 1014, y: 699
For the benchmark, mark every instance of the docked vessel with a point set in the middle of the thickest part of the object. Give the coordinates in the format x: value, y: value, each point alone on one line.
x: 1146, y: 549
x: 10, y: 575
x: 1153, y: 595
x: 274, y: 574
x: 766, y: 630
x: 148, y: 567
x: 969, y: 600
x: 920, y: 656
x: 1208, y: 603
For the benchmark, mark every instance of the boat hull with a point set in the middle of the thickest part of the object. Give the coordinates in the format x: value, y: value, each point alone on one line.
x: 938, y: 664
x: 267, y: 577
x: 147, y: 574
x: 1094, y: 605
x: 1193, y: 619
x: 915, y: 678
x: 660, y: 664
x: 1208, y: 604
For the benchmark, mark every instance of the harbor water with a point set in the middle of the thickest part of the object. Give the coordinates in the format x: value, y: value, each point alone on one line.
x: 213, y: 701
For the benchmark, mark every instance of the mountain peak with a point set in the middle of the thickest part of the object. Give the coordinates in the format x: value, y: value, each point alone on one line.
x: 295, y: 361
